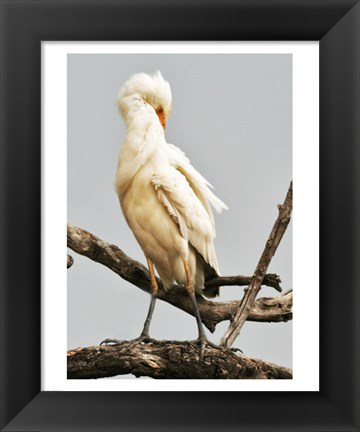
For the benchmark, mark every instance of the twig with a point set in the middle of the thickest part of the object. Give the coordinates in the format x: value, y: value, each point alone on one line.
x: 277, y: 309
x: 248, y: 300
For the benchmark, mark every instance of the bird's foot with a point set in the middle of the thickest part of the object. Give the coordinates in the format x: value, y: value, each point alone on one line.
x: 111, y: 342
x: 142, y: 339
x: 235, y: 350
x: 203, y: 341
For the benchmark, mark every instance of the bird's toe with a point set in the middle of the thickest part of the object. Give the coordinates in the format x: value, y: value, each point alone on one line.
x: 111, y: 342
x: 142, y: 339
x: 204, y: 342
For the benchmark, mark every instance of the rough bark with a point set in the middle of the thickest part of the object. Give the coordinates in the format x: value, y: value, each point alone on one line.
x: 168, y: 360
x: 277, y: 309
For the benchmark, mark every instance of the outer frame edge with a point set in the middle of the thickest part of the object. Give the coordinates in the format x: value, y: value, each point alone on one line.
x: 28, y: 418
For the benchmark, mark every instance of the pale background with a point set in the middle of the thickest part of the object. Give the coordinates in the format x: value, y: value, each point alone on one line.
x: 232, y: 115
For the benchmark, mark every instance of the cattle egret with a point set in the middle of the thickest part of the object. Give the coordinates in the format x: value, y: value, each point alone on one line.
x: 165, y: 201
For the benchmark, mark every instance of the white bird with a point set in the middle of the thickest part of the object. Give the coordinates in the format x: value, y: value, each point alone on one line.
x: 165, y: 201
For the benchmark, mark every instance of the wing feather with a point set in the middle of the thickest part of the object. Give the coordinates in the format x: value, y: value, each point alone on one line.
x: 198, y: 183
x: 188, y: 211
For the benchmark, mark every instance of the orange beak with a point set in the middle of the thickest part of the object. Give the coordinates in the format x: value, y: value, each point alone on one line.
x: 160, y: 113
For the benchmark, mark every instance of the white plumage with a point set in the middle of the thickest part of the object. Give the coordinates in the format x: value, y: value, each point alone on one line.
x: 165, y: 201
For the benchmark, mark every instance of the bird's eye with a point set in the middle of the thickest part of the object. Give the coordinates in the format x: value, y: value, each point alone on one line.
x: 160, y: 110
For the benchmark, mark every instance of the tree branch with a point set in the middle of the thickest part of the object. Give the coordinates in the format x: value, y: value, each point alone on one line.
x: 276, y: 309
x: 168, y: 360
x: 248, y: 300
x: 271, y: 280
x: 70, y: 261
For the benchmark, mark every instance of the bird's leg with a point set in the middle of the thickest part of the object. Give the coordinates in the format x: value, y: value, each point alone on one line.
x: 202, y: 336
x: 145, y: 332
x: 190, y: 289
x: 154, y: 290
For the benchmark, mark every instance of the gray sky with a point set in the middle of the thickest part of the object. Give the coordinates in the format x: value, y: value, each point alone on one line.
x: 232, y: 116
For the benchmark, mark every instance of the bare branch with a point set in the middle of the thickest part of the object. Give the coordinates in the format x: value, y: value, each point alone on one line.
x: 248, y: 300
x: 271, y: 280
x: 212, y: 312
x: 169, y: 360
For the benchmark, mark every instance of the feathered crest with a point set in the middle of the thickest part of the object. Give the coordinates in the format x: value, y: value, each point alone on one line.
x: 152, y: 89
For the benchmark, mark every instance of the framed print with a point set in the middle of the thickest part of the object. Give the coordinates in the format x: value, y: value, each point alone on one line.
x: 260, y: 76
x: 26, y: 403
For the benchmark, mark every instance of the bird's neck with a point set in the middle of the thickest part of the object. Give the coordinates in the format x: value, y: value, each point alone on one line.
x: 144, y: 144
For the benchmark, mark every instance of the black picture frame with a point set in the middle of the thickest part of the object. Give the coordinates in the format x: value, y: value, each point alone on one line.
x: 24, y: 24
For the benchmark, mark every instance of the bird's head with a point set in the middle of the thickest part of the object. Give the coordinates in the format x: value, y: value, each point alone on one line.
x: 152, y: 90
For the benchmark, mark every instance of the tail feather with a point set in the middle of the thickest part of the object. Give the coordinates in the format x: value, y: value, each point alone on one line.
x: 210, y: 273
x: 211, y: 292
